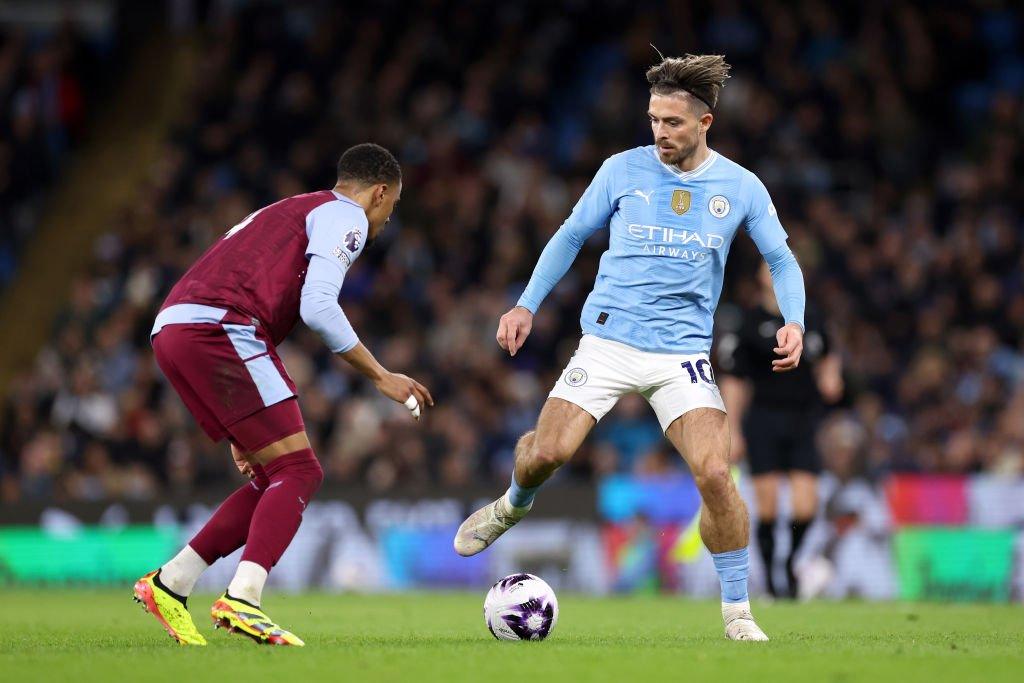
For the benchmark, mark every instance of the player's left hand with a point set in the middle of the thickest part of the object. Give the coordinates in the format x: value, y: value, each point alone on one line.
x: 791, y: 344
x: 242, y: 462
x: 405, y: 390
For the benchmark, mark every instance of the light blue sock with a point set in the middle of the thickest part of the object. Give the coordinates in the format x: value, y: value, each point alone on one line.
x: 521, y: 496
x: 732, y: 567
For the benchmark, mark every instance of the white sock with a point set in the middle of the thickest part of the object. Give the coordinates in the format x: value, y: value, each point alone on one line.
x: 182, y: 571
x: 248, y: 582
x: 733, y: 610
x: 517, y: 512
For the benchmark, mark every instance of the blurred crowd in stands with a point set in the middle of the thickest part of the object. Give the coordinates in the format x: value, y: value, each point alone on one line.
x: 48, y: 79
x: 889, y: 134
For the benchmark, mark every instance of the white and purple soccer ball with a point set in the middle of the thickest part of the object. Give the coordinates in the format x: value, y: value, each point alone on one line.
x: 521, y: 607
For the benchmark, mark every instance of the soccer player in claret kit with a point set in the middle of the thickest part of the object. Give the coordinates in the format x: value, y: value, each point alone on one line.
x: 672, y: 210
x: 215, y: 340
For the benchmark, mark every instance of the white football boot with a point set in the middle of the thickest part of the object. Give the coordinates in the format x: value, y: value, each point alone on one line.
x: 483, y: 527
x: 739, y: 622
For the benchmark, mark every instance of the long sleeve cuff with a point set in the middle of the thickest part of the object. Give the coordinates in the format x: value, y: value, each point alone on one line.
x: 788, y: 283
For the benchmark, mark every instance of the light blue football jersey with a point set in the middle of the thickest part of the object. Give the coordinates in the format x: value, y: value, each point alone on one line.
x: 669, y: 237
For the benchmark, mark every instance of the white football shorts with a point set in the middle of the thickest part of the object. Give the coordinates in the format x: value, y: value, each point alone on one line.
x: 602, y: 370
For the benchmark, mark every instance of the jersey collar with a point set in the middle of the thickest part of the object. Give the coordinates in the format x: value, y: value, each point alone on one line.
x: 687, y: 175
x: 343, y: 198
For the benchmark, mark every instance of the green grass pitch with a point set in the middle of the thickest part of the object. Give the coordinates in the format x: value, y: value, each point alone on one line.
x: 87, y: 635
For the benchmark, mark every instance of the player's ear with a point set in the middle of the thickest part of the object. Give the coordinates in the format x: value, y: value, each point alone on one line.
x: 705, y: 121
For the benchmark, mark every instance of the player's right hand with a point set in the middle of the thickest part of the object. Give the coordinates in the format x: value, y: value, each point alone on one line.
x: 400, y: 388
x: 513, y: 329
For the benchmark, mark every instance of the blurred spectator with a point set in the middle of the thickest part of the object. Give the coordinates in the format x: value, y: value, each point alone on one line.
x: 893, y: 159
x: 47, y: 80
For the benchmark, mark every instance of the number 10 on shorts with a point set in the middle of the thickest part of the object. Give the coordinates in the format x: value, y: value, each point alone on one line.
x: 702, y: 369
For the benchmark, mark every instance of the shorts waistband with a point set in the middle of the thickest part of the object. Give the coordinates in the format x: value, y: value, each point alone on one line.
x: 628, y: 348
x: 179, y: 314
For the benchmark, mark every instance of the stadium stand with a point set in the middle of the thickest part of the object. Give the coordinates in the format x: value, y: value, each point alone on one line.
x: 49, y: 79
x: 901, y: 196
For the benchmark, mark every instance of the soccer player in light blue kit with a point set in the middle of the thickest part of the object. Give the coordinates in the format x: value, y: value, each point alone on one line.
x: 672, y: 210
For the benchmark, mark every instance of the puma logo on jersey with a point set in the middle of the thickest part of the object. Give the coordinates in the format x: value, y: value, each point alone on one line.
x: 647, y: 197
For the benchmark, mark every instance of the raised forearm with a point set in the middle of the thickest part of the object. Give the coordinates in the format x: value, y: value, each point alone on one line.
x: 362, y: 360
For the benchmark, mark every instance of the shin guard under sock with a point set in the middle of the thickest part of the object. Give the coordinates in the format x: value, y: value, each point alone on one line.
x: 294, y: 478
x: 228, y: 529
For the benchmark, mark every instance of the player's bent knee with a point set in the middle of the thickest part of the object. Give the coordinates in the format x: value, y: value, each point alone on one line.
x: 547, y: 456
x: 525, y: 442
x: 316, y: 473
x: 714, y: 479
x: 312, y: 471
x: 302, y: 466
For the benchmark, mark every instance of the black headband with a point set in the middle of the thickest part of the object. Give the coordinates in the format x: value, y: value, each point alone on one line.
x: 654, y: 86
x: 710, y: 106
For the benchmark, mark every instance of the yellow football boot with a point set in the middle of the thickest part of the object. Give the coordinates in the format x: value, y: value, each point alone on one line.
x: 238, y: 616
x: 168, y: 610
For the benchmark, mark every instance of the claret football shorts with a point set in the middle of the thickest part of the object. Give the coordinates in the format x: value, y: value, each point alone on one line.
x: 228, y: 375
x: 602, y: 370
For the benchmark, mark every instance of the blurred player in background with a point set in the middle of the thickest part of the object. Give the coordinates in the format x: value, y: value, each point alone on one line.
x: 774, y: 419
x: 215, y: 340
x: 672, y: 209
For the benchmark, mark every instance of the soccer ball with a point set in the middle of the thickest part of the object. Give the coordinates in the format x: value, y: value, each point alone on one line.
x: 521, y: 607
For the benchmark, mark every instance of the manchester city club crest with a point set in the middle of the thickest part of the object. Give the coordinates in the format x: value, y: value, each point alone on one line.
x: 719, y: 206
x: 681, y: 201
x: 576, y: 377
